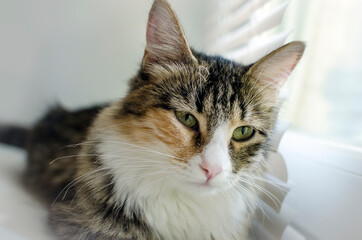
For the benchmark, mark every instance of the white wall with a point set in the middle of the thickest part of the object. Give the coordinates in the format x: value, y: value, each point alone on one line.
x: 75, y: 52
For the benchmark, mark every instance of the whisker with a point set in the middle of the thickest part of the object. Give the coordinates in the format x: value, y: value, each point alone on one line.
x: 73, y: 182
x: 91, y: 195
x: 275, y: 184
x: 99, y: 155
x: 274, y: 199
x: 126, y: 144
x: 151, y: 183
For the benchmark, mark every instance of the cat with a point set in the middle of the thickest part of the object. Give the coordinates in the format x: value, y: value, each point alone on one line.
x: 176, y: 158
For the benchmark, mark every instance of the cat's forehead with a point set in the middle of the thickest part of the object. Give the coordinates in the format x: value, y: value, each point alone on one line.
x: 214, y: 89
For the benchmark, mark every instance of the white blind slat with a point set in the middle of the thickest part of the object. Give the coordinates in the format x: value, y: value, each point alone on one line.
x: 292, y: 234
x: 275, y: 192
x: 238, y: 17
x: 268, y: 224
x: 280, y: 128
x: 257, y: 49
x: 227, y: 6
x: 222, y: 9
x: 253, y: 28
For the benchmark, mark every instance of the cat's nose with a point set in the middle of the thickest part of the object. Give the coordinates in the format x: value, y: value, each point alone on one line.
x: 211, y: 170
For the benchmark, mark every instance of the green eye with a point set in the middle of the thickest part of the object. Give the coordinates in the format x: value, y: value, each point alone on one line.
x: 186, y: 119
x: 244, y: 133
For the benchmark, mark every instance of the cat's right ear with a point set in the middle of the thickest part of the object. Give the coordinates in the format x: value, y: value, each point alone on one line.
x: 166, y: 42
x: 275, y: 68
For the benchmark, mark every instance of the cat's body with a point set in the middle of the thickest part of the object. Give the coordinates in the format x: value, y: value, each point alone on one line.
x: 177, y: 158
x: 53, y: 146
x: 60, y: 152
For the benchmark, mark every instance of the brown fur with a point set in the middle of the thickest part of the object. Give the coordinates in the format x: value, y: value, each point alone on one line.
x: 86, y: 203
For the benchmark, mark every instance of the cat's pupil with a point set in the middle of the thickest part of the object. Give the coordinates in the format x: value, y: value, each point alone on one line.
x: 187, y: 117
x: 189, y: 120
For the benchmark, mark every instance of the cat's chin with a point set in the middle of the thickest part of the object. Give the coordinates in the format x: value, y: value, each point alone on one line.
x: 205, y: 188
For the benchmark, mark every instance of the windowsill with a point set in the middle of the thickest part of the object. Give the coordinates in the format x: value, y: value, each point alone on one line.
x: 327, y: 183
x: 344, y: 157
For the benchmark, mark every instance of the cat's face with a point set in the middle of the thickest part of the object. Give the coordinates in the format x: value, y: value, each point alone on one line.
x: 211, y: 118
x: 196, y: 123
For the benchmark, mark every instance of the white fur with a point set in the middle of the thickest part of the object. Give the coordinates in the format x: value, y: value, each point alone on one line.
x: 177, y: 201
x: 217, y: 152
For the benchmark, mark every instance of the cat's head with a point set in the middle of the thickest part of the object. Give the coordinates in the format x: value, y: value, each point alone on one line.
x: 193, y: 122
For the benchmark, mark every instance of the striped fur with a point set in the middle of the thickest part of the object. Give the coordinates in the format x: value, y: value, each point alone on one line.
x: 132, y: 171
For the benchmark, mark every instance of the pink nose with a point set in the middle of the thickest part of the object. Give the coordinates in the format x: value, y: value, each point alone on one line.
x: 210, y: 170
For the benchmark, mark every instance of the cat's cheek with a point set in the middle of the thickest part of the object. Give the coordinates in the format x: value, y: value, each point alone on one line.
x: 168, y: 130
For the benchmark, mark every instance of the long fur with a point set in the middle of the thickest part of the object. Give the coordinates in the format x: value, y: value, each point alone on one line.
x: 134, y: 170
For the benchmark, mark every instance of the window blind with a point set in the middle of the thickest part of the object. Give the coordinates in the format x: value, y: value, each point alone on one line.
x: 244, y: 31
x: 241, y: 29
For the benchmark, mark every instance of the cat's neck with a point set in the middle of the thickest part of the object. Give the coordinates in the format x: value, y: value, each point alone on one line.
x: 181, y: 215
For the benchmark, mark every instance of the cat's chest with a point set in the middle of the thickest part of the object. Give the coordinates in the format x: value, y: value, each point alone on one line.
x: 203, y: 218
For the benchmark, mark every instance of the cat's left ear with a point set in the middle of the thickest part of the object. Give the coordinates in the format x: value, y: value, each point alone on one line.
x: 275, y: 68
x: 166, y: 42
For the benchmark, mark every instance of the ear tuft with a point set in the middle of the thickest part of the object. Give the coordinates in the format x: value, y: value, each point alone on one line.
x: 165, y: 39
x: 276, y: 67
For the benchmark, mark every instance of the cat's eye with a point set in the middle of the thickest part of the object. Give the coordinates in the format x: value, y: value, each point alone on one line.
x: 186, y: 119
x: 242, y: 134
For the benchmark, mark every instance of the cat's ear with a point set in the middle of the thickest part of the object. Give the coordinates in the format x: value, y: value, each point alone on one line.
x: 166, y: 42
x: 274, y: 68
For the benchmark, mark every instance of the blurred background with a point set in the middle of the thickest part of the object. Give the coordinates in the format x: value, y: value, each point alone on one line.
x: 75, y: 53
x: 82, y: 52
x: 326, y: 91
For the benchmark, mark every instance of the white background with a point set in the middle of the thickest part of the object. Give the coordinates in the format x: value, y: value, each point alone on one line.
x: 75, y: 52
